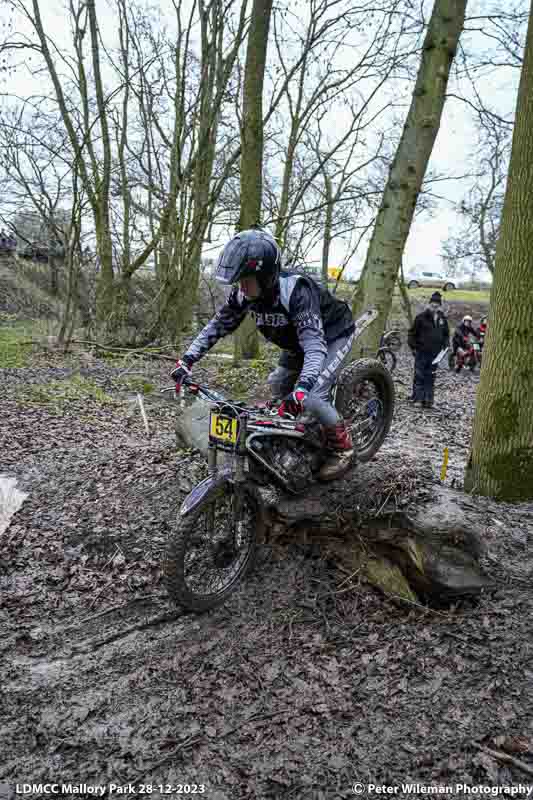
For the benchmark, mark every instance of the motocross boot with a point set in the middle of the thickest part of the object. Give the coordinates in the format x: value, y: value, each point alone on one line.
x: 340, y: 450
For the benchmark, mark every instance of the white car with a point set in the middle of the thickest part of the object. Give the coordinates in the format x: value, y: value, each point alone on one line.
x: 430, y: 280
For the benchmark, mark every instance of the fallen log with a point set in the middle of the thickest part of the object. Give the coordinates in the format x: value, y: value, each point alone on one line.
x: 390, y: 518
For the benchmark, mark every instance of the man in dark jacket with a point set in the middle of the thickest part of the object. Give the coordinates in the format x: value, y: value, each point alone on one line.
x: 314, y: 330
x: 428, y: 335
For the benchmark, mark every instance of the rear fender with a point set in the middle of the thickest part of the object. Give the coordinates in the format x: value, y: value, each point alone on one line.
x: 209, y: 486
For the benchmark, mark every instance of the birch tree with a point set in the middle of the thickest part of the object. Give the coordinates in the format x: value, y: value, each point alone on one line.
x: 501, y: 455
x: 408, y: 168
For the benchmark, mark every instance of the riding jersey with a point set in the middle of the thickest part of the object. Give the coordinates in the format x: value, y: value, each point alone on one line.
x: 299, y: 316
x: 462, y: 335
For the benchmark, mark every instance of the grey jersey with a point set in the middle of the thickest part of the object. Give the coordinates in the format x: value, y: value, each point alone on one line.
x: 300, y: 317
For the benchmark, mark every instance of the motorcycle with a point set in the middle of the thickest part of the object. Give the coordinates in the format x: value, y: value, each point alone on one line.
x: 389, y: 345
x: 222, y: 519
x: 471, y: 359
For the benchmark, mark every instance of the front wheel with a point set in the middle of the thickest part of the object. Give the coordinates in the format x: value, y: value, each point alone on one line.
x: 387, y: 358
x: 365, y: 398
x: 211, y: 550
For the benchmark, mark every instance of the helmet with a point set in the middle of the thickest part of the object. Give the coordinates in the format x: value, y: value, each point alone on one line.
x: 467, y: 318
x: 251, y: 252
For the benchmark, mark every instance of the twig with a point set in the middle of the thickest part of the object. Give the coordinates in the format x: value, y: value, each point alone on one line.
x: 131, y: 351
x: 505, y: 757
x: 143, y: 413
x: 196, y: 739
x: 109, y: 610
x: 140, y: 626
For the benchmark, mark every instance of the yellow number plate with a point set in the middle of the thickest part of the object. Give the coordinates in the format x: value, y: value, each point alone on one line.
x: 224, y: 429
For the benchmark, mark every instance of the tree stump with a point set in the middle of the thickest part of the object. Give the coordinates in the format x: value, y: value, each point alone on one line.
x: 410, y: 536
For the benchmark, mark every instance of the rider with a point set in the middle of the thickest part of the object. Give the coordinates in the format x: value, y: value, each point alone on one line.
x: 312, y: 327
x: 461, y: 340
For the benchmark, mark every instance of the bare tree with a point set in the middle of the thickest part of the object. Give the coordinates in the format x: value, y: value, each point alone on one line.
x: 473, y: 246
x: 113, y: 153
x: 407, y: 172
x: 319, y: 87
x: 43, y: 203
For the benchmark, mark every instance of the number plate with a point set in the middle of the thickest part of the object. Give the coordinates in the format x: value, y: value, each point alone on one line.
x: 223, y: 429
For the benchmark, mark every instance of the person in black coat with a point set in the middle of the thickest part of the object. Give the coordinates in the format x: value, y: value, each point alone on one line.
x: 428, y: 335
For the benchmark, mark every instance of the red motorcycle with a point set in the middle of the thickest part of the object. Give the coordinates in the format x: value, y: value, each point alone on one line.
x: 482, y: 331
x: 471, y: 357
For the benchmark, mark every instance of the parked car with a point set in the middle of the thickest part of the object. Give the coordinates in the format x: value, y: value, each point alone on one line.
x: 430, y: 280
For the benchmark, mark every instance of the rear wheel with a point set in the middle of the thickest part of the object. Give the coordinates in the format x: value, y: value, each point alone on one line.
x: 387, y: 358
x: 413, y: 285
x: 210, y: 551
x: 449, y: 287
x: 365, y: 398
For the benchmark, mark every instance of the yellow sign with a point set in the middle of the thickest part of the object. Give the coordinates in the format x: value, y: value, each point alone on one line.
x: 444, y: 468
x: 223, y: 428
x: 334, y: 272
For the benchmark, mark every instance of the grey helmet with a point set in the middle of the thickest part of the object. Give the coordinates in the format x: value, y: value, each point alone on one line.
x: 251, y: 252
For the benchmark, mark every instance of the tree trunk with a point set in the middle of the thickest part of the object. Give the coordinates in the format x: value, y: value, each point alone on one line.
x: 54, y: 273
x: 283, y: 220
x: 501, y: 457
x: 326, y: 241
x: 404, y: 296
x: 69, y: 307
x: 246, y: 341
x: 408, y: 168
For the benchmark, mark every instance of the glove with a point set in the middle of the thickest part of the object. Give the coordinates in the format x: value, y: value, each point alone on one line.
x: 181, y: 371
x: 293, y: 403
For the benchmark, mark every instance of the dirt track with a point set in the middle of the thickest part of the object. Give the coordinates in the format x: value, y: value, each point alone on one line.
x: 294, y: 689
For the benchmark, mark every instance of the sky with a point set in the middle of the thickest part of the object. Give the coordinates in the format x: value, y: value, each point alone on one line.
x: 452, y: 154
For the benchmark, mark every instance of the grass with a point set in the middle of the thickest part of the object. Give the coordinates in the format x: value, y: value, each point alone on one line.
x: 345, y: 291
x: 456, y: 295
x: 137, y: 385
x: 60, y: 393
x: 15, y: 349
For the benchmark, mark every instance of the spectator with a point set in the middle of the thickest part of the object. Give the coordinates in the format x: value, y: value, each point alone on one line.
x: 428, y: 335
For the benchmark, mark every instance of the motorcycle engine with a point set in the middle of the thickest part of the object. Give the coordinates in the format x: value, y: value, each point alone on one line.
x: 293, y: 461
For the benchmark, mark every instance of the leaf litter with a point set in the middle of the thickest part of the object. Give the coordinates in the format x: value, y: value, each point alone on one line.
x: 273, y: 695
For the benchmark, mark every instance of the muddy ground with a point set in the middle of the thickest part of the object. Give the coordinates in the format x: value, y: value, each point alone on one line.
x: 296, y: 688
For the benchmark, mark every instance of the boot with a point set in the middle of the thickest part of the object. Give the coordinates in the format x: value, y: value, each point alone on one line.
x: 340, y: 452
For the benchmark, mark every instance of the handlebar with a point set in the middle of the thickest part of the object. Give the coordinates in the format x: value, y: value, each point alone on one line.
x: 215, y: 397
x: 196, y: 388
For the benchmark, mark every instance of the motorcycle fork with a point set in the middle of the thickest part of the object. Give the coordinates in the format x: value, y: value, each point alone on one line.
x: 211, y: 469
x: 239, y: 479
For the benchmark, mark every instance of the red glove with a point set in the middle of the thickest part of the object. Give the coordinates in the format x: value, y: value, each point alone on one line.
x: 181, y: 371
x: 293, y: 403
